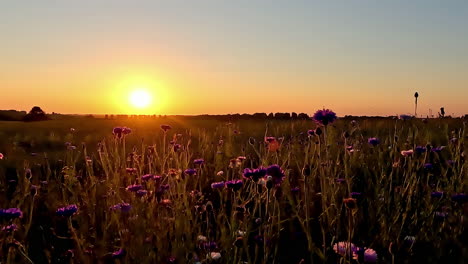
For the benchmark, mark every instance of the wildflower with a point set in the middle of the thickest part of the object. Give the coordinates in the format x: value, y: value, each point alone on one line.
x: 355, y: 195
x: 68, y: 210
x: 220, y: 173
x: 234, y: 184
x: 311, y: 132
x: 420, y: 149
x: 166, y: 202
x: 1, y: 156
x: 126, y: 131
x: 236, y: 132
x: 141, y: 193
x: 123, y: 207
x: 370, y: 256
x: 209, y: 245
x: 198, y: 161
x: 11, y: 213
x: 276, y: 173
x: 460, y: 198
x: 117, y: 131
x: 217, y: 185
x: 428, y: 166
x: 440, y: 215
x: 318, y: 131
x: 190, y: 172
x: 147, y: 177
x: 373, y: 141
x: 438, y: 149
x: 254, y: 174
x: 72, y: 130
x: 220, y: 142
x: 344, y: 248
x: 201, y: 238
x: 10, y: 228
x: 270, y: 139
x: 324, y: 117
x: 437, y: 194
x: 157, y: 178
x: 407, y: 153
x: 119, y: 254
x: 165, y: 128
x: 134, y: 187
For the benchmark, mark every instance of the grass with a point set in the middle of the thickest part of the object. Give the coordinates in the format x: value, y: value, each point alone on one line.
x: 337, y: 188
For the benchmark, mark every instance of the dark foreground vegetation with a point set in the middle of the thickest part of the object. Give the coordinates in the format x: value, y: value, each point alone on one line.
x: 192, y: 190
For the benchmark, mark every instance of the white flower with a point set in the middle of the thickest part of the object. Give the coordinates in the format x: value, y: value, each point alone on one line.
x: 201, y: 238
x: 219, y: 173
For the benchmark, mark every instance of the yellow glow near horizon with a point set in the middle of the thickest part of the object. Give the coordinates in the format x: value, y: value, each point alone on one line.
x: 138, y: 94
x: 140, y: 98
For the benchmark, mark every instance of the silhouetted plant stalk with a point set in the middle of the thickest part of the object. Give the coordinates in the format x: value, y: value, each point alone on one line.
x: 416, y: 95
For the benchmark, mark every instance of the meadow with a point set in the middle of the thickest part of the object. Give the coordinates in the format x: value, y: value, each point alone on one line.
x: 175, y: 190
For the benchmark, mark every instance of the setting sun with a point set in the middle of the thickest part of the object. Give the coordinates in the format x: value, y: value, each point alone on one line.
x: 140, y: 98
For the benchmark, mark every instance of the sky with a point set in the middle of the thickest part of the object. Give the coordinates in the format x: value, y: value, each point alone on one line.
x: 217, y: 57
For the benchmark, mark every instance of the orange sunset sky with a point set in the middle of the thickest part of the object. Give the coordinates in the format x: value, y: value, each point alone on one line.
x: 219, y: 57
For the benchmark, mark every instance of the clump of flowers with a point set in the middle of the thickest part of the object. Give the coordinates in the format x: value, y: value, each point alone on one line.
x: 147, y: 177
x: 1, y: 156
x: 254, y: 174
x: 235, y: 185
x: 68, y: 210
x: 119, y: 254
x: 324, y: 117
x: 276, y: 173
x: 134, y: 187
x: 420, y: 149
x: 10, y: 228
x: 120, y: 132
x: 11, y: 213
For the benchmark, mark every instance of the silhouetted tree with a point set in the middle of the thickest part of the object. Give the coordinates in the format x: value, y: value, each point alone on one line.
x: 294, y: 115
x: 303, y: 116
x: 36, y: 114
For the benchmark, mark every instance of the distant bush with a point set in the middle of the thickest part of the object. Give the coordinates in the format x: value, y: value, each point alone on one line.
x: 36, y: 114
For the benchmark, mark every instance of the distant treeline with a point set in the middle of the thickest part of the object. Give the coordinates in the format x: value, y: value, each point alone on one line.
x: 37, y: 114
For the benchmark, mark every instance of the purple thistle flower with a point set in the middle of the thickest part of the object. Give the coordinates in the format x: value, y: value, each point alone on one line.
x: 190, y: 172
x: 117, y: 131
x: 234, y: 184
x: 68, y: 210
x: 437, y: 194
x: 355, y: 195
x: 420, y: 149
x: 428, y: 166
x: 147, y: 177
x: 311, y: 132
x: 438, y: 149
x: 324, y: 117
x: 198, y: 161
x: 157, y: 178
x: 460, y: 198
x: 209, y: 245
x: 370, y: 256
x: 126, y: 130
x: 217, y: 185
x: 165, y: 128
x: 343, y: 248
x: 276, y: 173
x: 440, y: 215
x: 119, y: 254
x: 373, y: 141
x: 123, y: 207
x: 134, y: 187
x: 10, y: 228
x: 254, y: 174
x: 141, y: 193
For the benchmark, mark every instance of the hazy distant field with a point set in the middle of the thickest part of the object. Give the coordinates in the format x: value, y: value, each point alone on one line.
x: 399, y: 198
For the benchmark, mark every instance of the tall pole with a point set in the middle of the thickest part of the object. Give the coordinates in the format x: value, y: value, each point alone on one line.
x: 416, y: 95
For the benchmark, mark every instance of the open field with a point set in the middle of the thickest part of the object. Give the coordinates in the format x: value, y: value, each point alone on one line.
x: 206, y: 191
